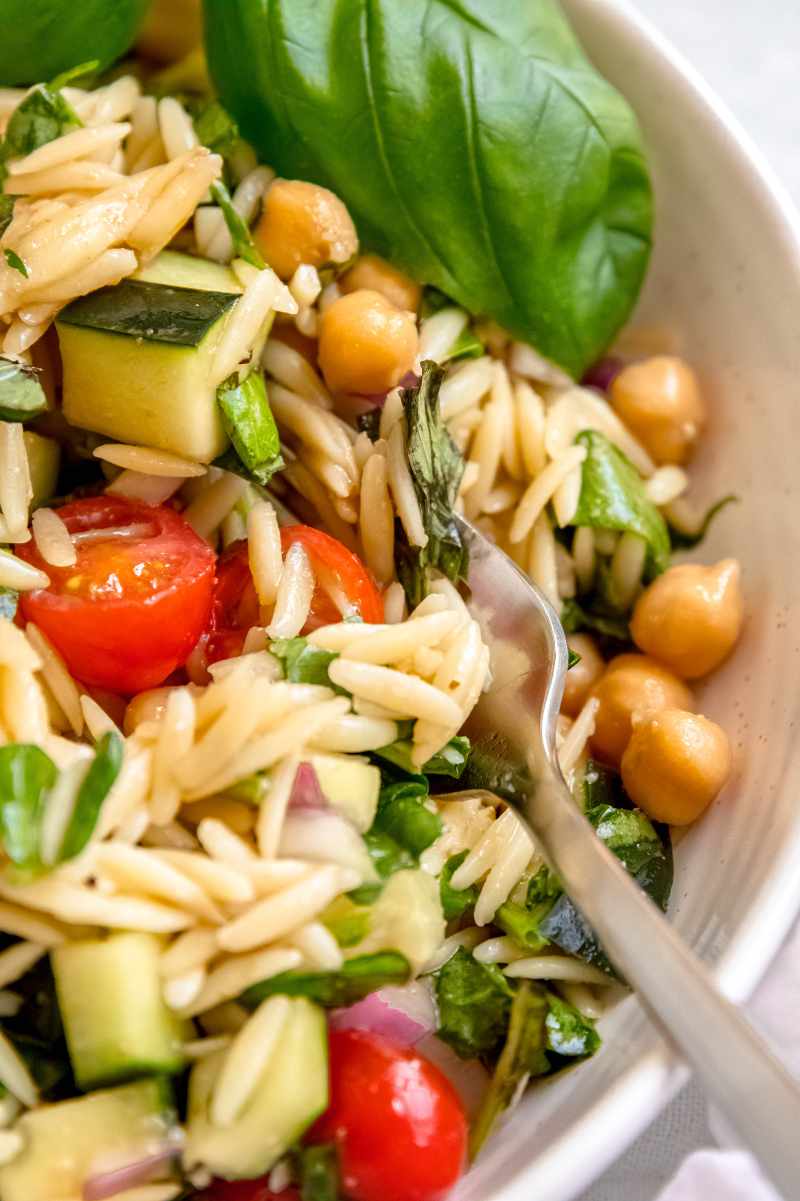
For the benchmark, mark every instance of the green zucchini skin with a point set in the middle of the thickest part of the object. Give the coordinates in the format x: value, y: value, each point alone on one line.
x: 149, y: 311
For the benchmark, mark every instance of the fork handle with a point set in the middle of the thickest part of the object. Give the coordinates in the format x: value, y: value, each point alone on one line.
x: 736, y: 1068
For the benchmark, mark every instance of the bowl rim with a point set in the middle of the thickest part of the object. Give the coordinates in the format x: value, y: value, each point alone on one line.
x: 649, y: 1084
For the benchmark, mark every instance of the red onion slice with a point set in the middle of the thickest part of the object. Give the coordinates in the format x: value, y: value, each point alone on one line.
x: 406, y: 1015
x: 108, y: 1184
x: 306, y: 791
x: 602, y: 374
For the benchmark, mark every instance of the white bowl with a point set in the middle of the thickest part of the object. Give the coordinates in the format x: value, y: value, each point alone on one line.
x: 726, y: 276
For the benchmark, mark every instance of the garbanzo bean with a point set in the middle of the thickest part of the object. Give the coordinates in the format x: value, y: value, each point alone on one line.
x: 690, y: 617
x: 372, y: 272
x: 675, y: 764
x: 303, y: 223
x: 584, y: 675
x: 659, y: 400
x: 365, y: 343
x: 629, y: 684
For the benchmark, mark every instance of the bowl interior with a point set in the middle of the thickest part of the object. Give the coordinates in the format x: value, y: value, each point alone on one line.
x: 726, y: 278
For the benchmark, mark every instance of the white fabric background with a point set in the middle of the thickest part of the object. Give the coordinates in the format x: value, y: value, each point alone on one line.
x: 749, y: 50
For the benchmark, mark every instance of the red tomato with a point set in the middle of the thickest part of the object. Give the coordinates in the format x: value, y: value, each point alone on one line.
x: 236, y: 608
x: 397, y: 1122
x: 246, y: 1190
x: 135, y: 603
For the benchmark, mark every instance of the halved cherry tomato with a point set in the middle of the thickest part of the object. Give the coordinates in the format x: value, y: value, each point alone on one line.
x: 246, y: 1190
x: 236, y: 609
x: 396, y: 1121
x: 135, y: 603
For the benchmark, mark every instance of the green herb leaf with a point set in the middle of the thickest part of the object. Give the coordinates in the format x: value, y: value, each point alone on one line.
x: 216, y: 128
x: 613, y: 497
x: 93, y: 791
x: 403, y: 816
x: 490, y: 160
x: 523, y: 1055
x: 319, y: 1173
x: 15, y: 262
x: 304, y: 663
x: 455, y: 901
x: 6, y: 204
x: 22, y: 397
x: 387, y: 855
x: 687, y: 539
x: 356, y: 979
x: 474, y: 1001
x: 572, y: 658
x: 466, y: 346
x: 451, y: 760
x: 369, y: 423
x: 436, y: 467
x: 41, y: 117
x: 250, y: 425
x: 73, y: 73
x: 243, y: 245
x: 569, y: 1033
x: 576, y: 617
x: 26, y: 776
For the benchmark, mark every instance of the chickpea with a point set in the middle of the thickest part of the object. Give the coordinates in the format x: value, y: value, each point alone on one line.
x: 376, y: 275
x: 659, y: 400
x: 303, y: 223
x: 584, y: 675
x: 629, y: 684
x: 690, y: 617
x: 365, y: 343
x: 675, y: 764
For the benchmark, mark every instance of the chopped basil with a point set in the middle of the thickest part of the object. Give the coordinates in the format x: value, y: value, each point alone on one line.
x: 455, y: 901
x: 613, y: 497
x: 474, y: 1002
x: 26, y: 776
x: 572, y: 658
x: 6, y: 205
x: 93, y: 791
x: 304, y: 663
x: 436, y: 466
x: 683, y: 539
x: 216, y: 128
x: 243, y: 245
x: 451, y: 760
x: 15, y: 262
x: 466, y: 346
x: 403, y: 815
x: 589, y: 616
x: 356, y: 979
x: 250, y: 425
x: 22, y: 397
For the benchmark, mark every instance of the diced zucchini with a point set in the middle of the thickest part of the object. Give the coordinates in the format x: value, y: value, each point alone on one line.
x: 407, y: 917
x: 351, y: 785
x: 70, y: 1141
x: 137, y: 363
x: 22, y: 396
x: 115, y: 1020
x: 188, y: 271
x: 44, y: 456
x: 291, y: 1094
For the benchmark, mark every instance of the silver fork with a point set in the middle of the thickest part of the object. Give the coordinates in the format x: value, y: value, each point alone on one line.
x: 513, y: 731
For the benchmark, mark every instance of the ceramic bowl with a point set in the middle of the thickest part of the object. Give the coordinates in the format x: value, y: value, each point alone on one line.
x: 726, y: 278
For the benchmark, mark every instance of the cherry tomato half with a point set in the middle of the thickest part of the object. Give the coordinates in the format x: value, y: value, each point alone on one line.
x: 246, y: 1190
x: 236, y: 609
x: 396, y: 1121
x: 135, y: 603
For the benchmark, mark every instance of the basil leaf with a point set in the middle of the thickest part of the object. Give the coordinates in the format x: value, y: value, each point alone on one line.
x: 15, y: 262
x: 93, y: 791
x: 474, y: 1002
x: 613, y: 497
x: 576, y: 617
x: 403, y: 816
x: 466, y: 346
x: 250, y: 425
x: 304, y: 663
x: 455, y: 901
x: 26, y: 776
x: 687, y: 539
x: 6, y: 204
x: 72, y: 73
x: 22, y: 397
x: 523, y: 1055
x: 356, y: 979
x: 573, y: 658
x: 569, y: 1033
x: 436, y: 466
x: 473, y: 142
x: 319, y: 1173
x: 243, y: 245
x: 41, y: 117
x: 216, y: 128
x: 451, y: 760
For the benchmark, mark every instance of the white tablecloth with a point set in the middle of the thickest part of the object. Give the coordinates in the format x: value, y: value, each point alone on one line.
x: 750, y: 53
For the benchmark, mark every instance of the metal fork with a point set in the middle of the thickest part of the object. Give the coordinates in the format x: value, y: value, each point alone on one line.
x: 513, y: 731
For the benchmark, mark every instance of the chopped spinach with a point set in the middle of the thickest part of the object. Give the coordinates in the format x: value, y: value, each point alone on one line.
x: 403, y: 816
x: 451, y: 760
x: 613, y: 497
x: 686, y: 539
x: 474, y: 1001
x: 523, y: 1056
x: 387, y: 855
x: 455, y: 901
x: 22, y: 397
x: 304, y: 663
x: 356, y: 979
x: 319, y: 1173
x: 436, y: 466
x: 93, y: 791
x: 250, y: 425
x: 26, y: 776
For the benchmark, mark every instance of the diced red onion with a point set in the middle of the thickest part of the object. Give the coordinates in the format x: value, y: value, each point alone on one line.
x: 306, y: 790
x: 376, y: 400
x: 324, y: 836
x: 406, y: 1015
x: 602, y: 374
x: 108, y: 1184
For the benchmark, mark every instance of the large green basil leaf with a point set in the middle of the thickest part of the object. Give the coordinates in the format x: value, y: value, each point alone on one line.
x: 472, y: 141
